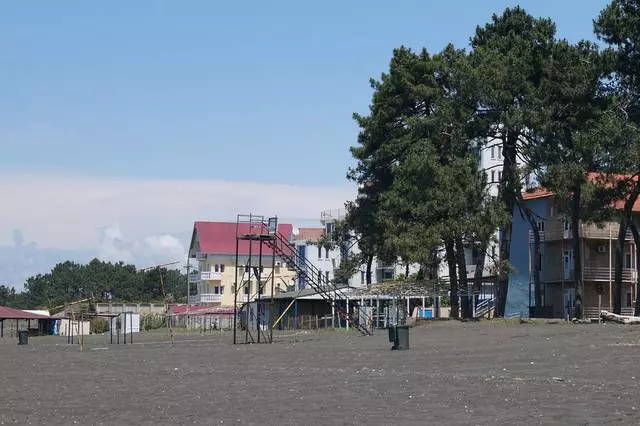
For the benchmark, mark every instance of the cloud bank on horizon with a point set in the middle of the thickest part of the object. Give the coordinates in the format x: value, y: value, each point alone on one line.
x: 46, y: 219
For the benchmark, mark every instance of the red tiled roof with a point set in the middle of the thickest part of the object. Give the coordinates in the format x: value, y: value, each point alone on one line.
x: 309, y: 234
x: 537, y: 193
x: 600, y: 178
x: 11, y: 313
x: 220, y: 237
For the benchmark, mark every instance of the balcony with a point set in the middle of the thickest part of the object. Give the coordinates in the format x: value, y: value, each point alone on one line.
x: 589, y: 274
x: 205, y: 298
x: 247, y: 276
x: 210, y: 276
x: 555, y: 231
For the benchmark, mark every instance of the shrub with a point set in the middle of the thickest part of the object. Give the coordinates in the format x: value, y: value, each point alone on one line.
x: 98, y: 325
x: 152, y: 321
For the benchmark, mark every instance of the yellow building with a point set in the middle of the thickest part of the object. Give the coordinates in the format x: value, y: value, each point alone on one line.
x: 213, y: 252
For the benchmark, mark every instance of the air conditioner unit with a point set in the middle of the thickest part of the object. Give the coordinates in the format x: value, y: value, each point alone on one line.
x: 602, y: 248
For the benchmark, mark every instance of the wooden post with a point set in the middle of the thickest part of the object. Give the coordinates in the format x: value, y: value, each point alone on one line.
x: 378, y: 311
x: 316, y: 322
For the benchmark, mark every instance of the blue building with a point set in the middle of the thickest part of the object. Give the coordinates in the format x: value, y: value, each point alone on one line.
x: 556, y: 262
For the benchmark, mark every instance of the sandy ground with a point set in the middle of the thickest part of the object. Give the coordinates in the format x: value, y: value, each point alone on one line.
x: 467, y: 374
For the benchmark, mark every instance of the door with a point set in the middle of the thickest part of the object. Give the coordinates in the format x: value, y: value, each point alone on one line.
x: 567, y: 261
x: 569, y: 300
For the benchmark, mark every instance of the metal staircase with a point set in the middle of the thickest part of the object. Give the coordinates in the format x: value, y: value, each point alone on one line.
x: 484, y: 308
x: 331, y: 293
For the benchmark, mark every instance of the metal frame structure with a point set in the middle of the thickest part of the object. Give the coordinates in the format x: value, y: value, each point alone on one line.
x: 261, y: 232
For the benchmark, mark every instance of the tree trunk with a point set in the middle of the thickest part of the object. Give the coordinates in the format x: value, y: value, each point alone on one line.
x: 450, y: 254
x: 509, y: 191
x: 368, y: 273
x: 406, y: 271
x: 463, y: 282
x: 636, y: 239
x: 617, y: 282
x: 625, y: 221
x: 535, y: 274
x: 577, y: 252
x: 479, y: 272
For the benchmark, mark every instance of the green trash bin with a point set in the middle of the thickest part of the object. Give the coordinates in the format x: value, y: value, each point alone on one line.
x: 402, y: 337
x: 392, y: 333
x: 23, y: 337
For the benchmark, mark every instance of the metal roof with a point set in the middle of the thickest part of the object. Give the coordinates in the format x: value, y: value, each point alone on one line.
x: 11, y: 313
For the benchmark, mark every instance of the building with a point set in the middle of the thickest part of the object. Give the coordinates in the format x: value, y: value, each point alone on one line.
x: 213, y: 252
x: 556, y: 261
x: 380, y: 271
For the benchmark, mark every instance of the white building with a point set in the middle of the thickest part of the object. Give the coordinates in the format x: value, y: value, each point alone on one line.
x: 380, y: 271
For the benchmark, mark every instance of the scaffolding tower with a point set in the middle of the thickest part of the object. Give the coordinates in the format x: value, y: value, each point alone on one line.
x: 261, y: 234
x: 257, y: 233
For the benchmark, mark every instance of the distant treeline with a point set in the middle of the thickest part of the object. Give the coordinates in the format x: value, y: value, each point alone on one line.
x: 105, y: 281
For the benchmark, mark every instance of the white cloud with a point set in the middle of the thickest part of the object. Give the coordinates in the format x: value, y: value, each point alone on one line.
x: 139, y: 220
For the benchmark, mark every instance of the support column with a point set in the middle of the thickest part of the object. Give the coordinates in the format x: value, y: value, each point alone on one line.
x: 378, y: 312
x: 347, y: 321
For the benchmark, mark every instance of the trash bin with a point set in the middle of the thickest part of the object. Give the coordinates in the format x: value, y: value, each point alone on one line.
x: 23, y: 337
x: 402, y: 337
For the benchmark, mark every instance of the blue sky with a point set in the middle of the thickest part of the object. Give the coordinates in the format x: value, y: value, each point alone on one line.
x: 211, y: 94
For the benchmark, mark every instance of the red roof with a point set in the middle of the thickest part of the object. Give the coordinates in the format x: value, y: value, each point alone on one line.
x: 309, y: 234
x: 220, y: 237
x: 599, y: 178
x: 11, y: 313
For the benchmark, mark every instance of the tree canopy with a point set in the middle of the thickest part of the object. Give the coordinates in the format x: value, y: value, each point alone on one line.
x: 104, y: 281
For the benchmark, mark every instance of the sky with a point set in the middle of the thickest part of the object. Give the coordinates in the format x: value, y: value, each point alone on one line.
x: 123, y: 122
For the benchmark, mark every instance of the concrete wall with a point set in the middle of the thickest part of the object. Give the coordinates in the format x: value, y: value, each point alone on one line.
x: 117, y: 308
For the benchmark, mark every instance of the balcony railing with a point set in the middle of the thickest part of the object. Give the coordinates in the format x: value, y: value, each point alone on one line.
x: 205, y: 298
x: 555, y: 231
x: 210, y: 276
x: 589, y: 274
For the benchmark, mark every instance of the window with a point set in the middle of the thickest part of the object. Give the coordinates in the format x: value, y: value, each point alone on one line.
x: 217, y: 268
x: 319, y: 276
x: 627, y: 260
x: 326, y: 253
x: 499, y: 176
x: 493, y: 152
x: 260, y: 288
x: 629, y: 301
x: 221, y: 268
x: 541, y: 225
x: 539, y: 262
x: 493, y: 252
x: 493, y: 176
x: 319, y: 252
x: 361, y: 277
x: 326, y: 276
x: 221, y: 289
x: 216, y: 290
x: 567, y: 225
x: 247, y: 288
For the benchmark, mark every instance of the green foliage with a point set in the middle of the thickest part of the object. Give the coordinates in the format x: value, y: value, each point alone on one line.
x: 69, y: 281
x: 98, y: 325
x: 152, y: 321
